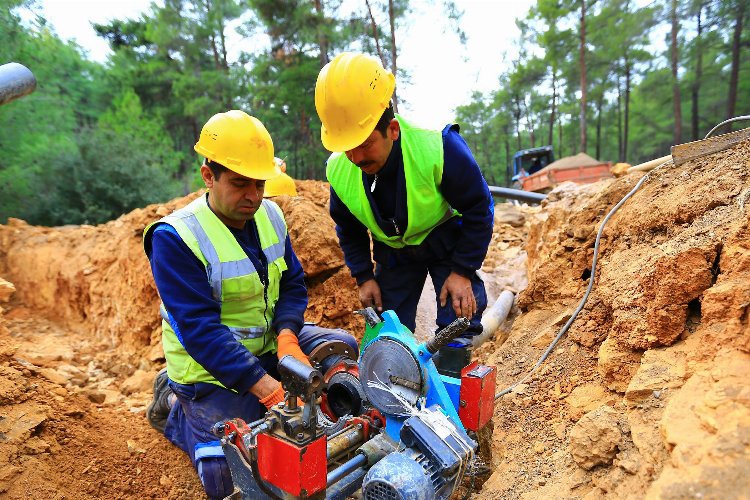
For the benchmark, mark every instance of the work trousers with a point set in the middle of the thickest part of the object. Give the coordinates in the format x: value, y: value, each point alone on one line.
x: 199, y: 406
x: 401, y: 287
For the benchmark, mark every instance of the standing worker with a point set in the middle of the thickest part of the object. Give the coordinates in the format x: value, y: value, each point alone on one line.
x: 418, y: 192
x: 233, y: 298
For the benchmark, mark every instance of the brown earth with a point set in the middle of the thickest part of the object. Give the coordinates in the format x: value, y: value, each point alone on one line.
x: 647, y: 395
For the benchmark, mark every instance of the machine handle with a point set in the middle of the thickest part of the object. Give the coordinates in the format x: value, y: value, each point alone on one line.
x: 447, y: 334
x: 299, y: 379
x: 371, y: 317
x: 16, y: 80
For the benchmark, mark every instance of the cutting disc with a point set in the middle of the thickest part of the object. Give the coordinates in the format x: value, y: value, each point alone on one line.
x: 390, y: 375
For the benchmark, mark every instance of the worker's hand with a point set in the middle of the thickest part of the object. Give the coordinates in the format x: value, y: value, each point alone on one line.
x: 369, y: 295
x: 462, y: 296
x: 268, y: 390
x: 288, y: 344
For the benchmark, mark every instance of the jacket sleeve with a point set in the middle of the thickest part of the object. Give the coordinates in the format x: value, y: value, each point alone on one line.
x: 354, y: 240
x: 290, y: 308
x: 466, y: 190
x: 195, y: 316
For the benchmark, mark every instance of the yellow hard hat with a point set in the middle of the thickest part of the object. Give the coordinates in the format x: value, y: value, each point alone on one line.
x: 351, y: 94
x: 281, y: 184
x: 240, y: 142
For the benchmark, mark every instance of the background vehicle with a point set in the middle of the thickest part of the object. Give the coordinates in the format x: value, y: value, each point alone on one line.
x: 529, y: 161
x: 536, y: 169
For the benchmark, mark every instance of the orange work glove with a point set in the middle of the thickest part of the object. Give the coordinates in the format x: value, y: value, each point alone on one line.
x: 274, y: 398
x: 288, y: 344
x: 277, y: 397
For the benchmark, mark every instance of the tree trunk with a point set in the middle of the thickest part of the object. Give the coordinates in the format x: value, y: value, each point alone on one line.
x: 552, y: 111
x: 517, y: 116
x: 676, y: 98
x: 212, y: 36
x: 375, y: 35
x: 394, y: 67
x: 695, y: 89
x: 322, y: 39
x: 582, y: 62
x: 223, y: 44
x: 620, y: 154
x: 530, y: 124
x: 735, y: 71
x: 626, y: 122
x: 489, y: 167
x: 508, y: 159
x: 599, y: 104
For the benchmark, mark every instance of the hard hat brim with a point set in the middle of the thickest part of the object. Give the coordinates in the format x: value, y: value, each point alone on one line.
x: 258, y: 172
x: 340, y: 143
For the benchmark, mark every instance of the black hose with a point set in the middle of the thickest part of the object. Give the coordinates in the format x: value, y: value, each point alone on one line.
x: 335, y: 475
x: 731, y: 120
x: 517, y: 194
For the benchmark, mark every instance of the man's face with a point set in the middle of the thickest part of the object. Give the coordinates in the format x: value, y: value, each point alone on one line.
x: 371, y: 155
x: 234, y: 198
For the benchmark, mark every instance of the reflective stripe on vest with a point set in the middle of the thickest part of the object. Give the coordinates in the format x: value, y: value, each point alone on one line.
x: 426, y: 206
x: 217, y: 270
x: 238, y: 332
x: 211, y: 449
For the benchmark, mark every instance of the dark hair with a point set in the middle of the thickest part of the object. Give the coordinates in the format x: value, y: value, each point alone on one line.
x: 385, y: 120
x: 216, y: 168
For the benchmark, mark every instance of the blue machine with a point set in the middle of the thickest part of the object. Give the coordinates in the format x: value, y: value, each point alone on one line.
x: 421, y: 453
x: 398, y: 374
x: 401, y: 381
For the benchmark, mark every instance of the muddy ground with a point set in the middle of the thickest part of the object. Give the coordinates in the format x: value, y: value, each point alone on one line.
x: 647, y: 395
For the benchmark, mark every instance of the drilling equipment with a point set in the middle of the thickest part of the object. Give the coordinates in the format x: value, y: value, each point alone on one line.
x: 387, y: 424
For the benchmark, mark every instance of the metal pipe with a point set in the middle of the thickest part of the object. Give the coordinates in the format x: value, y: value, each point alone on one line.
x: 16, y: 80
x: 347, y: 486
x: 352, y: 464
x: 345, y: 441
x: 517, y: 194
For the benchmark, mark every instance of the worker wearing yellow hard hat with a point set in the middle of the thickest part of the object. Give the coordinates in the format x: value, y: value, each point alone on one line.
x: 233, y: 298
x: 281, y: 184
x: 417, y: 193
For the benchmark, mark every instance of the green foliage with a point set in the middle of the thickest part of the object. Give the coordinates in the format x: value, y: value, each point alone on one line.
x: 73, y: 151
x: 114, y: 174
x: 629, y: 110
x: 96, y: 140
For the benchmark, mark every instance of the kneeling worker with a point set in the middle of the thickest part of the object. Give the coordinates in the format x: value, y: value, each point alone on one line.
x: 233, y: 298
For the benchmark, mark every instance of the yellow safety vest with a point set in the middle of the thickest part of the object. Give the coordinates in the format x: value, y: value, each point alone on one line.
x: 245, y: 309
x: 426, y: 206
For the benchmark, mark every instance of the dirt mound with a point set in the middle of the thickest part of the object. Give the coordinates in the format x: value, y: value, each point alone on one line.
x: 578, y: 160
x: 648, y: 393
x: 315, y: 191
x: 80, y: 342
x: 100, y: 277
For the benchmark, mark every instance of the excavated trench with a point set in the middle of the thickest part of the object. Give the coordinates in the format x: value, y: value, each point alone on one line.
x: 647, y: 395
